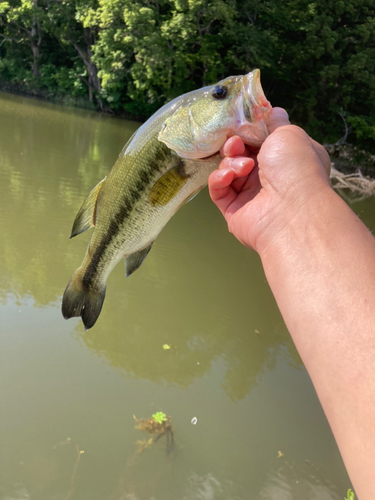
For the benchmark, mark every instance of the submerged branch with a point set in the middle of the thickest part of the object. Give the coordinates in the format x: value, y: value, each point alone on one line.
x: 73, y: 480
x: 354, y: 187
x: 352, y: 172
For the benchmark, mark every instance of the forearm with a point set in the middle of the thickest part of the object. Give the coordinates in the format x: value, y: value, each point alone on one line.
x: 321, y: 269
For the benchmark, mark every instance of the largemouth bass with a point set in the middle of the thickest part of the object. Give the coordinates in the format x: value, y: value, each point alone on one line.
x: 166, y: 162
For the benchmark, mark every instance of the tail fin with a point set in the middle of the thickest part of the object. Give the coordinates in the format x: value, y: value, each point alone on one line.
x: 79, y: 301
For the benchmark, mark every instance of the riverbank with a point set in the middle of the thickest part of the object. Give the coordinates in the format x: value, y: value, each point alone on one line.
x: 64, y: 100
x: 35, y: 93
x: 349, y: 159
x: 353, y: 171
x: 352, y: 168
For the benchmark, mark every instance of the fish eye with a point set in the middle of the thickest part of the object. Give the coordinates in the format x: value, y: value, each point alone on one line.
x: 220, y: 92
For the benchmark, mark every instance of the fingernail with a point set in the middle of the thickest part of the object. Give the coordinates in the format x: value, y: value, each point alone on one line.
x: 280, y: 113
x: 221, y: 174
x: 244, y: 161
x: 238, y: 163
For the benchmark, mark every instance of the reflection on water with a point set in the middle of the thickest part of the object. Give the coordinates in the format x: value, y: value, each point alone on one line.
x: 299, y: 486
x: 64, y: 390
x: 49, y: 160
x: 205, y: 488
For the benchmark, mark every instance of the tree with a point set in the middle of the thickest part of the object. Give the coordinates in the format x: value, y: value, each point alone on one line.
x: 74, y: 22
x: 317, y: 57
x: 23, y: 21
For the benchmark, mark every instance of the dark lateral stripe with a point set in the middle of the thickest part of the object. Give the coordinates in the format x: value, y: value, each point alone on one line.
x: 124, y: 212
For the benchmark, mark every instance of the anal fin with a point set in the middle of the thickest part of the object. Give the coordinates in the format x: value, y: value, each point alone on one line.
x: 134, y: 261
x: 86, y: 214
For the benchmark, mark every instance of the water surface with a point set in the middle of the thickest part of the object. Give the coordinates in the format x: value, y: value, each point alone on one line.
x: 67, y: 397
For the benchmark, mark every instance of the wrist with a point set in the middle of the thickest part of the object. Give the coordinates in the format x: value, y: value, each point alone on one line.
x: 294, y: 217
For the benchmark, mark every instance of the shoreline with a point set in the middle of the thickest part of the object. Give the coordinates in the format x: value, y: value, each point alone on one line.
x: 66, y: 101
x: 344, y: 157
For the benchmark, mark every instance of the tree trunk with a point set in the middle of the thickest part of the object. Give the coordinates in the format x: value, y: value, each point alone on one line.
x: 36, y: 55
x: 93, y: 81
x: 35, y: 37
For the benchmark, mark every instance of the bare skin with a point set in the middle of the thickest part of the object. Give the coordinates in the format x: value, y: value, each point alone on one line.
x: 319, y: 260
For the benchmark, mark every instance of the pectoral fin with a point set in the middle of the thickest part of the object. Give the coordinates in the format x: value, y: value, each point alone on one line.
x: 169, y: 184
x: 134, y: 261
x: 86, y: 214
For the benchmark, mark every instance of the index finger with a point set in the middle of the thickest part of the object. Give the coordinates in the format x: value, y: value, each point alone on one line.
x: 234, y: 146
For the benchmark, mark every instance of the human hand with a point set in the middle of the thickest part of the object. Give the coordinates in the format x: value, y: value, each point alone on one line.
x: 258, y: 193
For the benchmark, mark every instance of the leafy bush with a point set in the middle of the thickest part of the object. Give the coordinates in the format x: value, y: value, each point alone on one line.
x: 317, y: 57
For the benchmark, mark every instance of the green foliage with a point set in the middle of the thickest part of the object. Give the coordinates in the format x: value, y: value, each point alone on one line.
x: 11, y: 71
x: 159, y: 417
x: 363, y: 130
x: 317, y: 57
x: 349, y: 495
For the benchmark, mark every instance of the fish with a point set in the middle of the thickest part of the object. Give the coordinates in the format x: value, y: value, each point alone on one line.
x: 164, y: 165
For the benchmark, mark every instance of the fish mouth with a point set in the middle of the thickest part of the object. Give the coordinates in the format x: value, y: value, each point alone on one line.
x: 252, y: 109
x: 254, y: 98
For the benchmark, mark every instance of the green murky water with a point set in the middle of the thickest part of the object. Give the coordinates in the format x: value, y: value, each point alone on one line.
x: 67, y: 397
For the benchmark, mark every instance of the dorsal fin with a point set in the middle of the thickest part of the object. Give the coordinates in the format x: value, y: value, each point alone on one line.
x: 86, y: 214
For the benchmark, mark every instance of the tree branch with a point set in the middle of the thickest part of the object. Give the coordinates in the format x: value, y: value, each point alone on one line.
x: 341, y: 141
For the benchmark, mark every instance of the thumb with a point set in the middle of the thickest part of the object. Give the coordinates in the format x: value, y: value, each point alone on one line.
x: 277, y: 118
